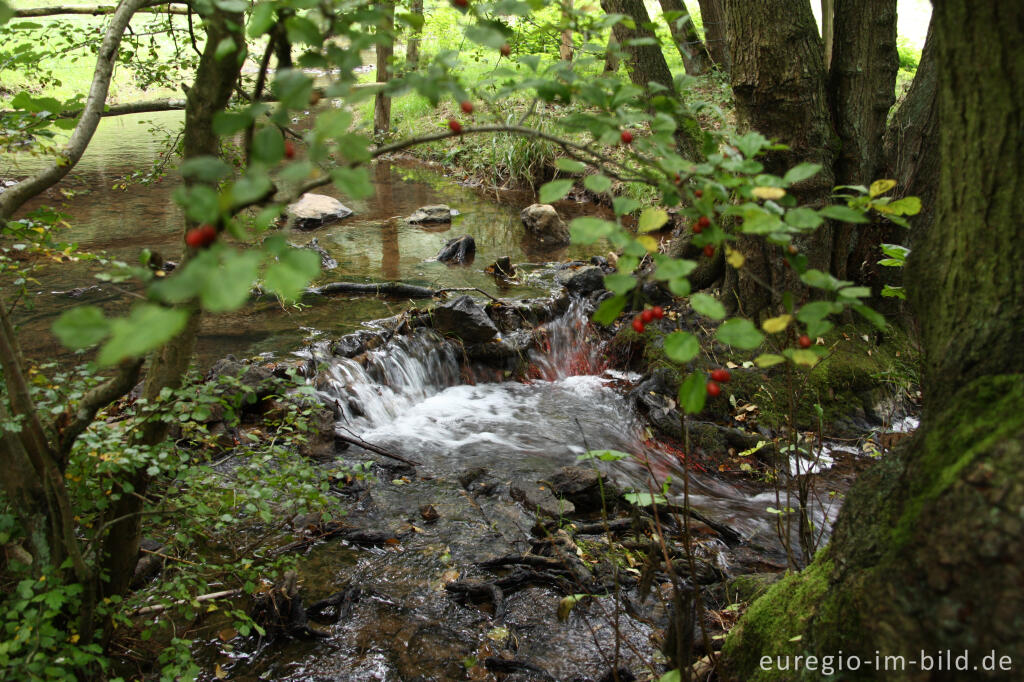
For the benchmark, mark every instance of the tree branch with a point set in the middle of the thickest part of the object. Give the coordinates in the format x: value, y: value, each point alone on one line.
x: 147, y: 8
x: 73, y: 421
x: 12, y: 199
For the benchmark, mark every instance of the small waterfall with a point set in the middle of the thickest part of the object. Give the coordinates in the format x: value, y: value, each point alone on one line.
x: 566, y: 347
x: 390, y: 379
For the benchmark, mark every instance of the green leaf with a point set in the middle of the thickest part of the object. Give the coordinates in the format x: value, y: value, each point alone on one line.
x: 225, y: 47
x: 693, y: 393
x: 570, y: 165
x: 261, y: 20
x: 619, y: 283
x: 292, y: 273
x: 801, y: 172
x: 680, y: 286
x: 303, y: 30
x: 768, y: 360
x: 904, y: 206
x: 490, y: 34
x: 681, y: 347
x: 894, y: 292
x: 624, y: 205
x: 230, y: 122
x: 250, y: 187
x: 672, y: 268
x: 6, y: 13
x: 354, y: 182
x: 803, y: 218
x: 597, y: 183
x: 609, y: 310
x: 707, y: 306
x: 843, y: 214
x: 872, y: 316
x: 604, y: 455
x: 644, y: 499
x: 227, y: 285
x: 147, y: 328
x: 588, y: 230
x: 81, y: 327
x: 651, y: 219
x: 292, y: 88
x: 268, y: 145
x: 207, y: 169
x: 670, y: 676
x: 760, y: 221
x: 740, y: 333
x: 554, y: 190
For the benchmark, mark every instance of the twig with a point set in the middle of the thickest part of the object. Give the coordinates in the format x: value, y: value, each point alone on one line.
x: 160, y: 608
x: 356, y: 440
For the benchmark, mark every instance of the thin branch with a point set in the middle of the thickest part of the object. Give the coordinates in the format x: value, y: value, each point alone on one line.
x: 147, y: 8
x: 160, y: 608
x: 12, y: 199
x: 77, y: 419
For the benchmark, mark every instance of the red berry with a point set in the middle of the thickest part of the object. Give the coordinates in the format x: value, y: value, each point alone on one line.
x: 722, y: 376
x: 713, y: 389
x: 703, y: 221
x: 467, y: 106
x: 289, y: 149
x: 804, y: 341
x: 201, y: 236
x: 698, y: 193
x: 505, y: 50
x: 462, y: 4
x: 647, y: 316
x: 709, y: 251
x: 626, y: 137
x: 658, y: 312
x: 697, y: 229
x: 638, y: 325
x: 455, y: 126
x: 678, y: 179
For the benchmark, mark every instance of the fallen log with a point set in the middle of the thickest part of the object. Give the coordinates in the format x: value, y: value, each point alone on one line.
x: 396, y: 289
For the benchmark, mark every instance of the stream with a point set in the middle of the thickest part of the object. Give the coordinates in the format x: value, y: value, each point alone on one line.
x: 476, y: 436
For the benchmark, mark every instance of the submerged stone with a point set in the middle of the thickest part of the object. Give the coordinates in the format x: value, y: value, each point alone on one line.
x: 437, y: 213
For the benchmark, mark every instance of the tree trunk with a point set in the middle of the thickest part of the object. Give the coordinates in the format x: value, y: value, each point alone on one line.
x: 565, y: 50
x: 214, y: 84
x: 716, y: 34
x: 862, y: 84
x: 828, y: 29
x: 912, y: 145
x: 412, y: 49
x: 611, y: 55
x: 778, y: 79
x: 385, y: 50
x: 926, y: 551
x: 691, y: 48
x: 646, y: 63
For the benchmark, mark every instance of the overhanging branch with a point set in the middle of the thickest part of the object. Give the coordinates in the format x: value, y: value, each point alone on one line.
x: 149, y: 7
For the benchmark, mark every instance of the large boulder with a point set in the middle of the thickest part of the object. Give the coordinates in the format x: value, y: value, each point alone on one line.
x: 465, y: 319
x: 316, y: 210
x: 438, y: 213
x: 459, y: 250
x: 581, y: 281
x: 543, y: 224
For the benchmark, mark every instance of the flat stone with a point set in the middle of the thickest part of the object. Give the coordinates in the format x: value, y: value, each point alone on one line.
x: 438, y: 213
x: 538, y: 498
x: 582, y: 487
x: 464, y: 318
x: 316, y: 210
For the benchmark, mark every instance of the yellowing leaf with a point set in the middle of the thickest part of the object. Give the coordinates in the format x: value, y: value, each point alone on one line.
x: 648, y: 242
x: 652, y: 219
x: 769, y: 192
x: 881, y: 187
x: 774, y: 325
x: 735, y: 258
x: 805, y: 357
x: 768, y: 360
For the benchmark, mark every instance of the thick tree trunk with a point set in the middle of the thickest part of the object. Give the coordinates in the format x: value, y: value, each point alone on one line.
x: 646, y: 63
x: 778, y: 79
x: 716, y: 32
x: 862, y: 84
x: 926, y: 551
x: 412, y: 49
x: 385, y: 50
x: 912, y: 144
x: 214, y: 84
x: 695, y: 56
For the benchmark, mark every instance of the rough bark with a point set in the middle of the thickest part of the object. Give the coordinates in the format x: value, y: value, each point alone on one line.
x: 211, y: 92
x: 778, y: 79
x: 385, y: 51
x: 646, y: 63
x: 695, y: 56
x: 911, y: 142
x: 862, y: 84
x: 412, y: 48
x: 926, y: 551
x: 716, y: 33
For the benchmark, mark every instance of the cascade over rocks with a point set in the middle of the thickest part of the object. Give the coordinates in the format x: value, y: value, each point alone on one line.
x: 313, y: 211
x: 543, y: 224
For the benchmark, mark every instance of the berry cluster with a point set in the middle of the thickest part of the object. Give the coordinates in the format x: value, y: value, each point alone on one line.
x: 646, y: 317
